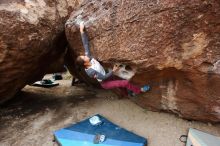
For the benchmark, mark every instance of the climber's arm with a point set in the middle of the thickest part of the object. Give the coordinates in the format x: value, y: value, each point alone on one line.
x: 104, y: 77
x: 94, y: 74
x: 85, y: 40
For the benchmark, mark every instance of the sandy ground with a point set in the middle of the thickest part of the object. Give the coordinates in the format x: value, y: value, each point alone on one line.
x: 31, y: 117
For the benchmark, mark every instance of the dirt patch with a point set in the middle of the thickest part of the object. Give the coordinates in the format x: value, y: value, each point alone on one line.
x: 31, y: 117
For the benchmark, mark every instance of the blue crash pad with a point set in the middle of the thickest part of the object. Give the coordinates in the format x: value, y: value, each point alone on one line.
x: 83, y: 133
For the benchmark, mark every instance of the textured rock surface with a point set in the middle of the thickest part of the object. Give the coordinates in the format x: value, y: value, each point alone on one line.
x: 31, y: 38
x: 175, y: 46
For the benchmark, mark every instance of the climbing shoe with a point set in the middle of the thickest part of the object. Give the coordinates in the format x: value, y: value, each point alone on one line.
x: 46, y: 81
x: 145, y: 88
x: 131, y: 93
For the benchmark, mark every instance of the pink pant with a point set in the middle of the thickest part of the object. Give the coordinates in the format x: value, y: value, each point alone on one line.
x: 110, y: 84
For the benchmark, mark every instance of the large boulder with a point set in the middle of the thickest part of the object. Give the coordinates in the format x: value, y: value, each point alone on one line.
x: 174, y: 46
x: 31, y: 39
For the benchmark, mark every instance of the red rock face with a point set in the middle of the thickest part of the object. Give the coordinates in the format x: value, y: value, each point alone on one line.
x: 31, y: 38
x: 175, y: 46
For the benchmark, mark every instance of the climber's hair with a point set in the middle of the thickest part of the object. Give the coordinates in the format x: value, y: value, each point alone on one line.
x: 80, y: 61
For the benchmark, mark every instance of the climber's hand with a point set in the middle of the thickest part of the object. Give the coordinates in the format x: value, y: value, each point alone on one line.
x: 82, y: 27
x: 115, y: 68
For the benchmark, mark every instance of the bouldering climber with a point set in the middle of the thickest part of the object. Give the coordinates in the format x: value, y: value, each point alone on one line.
x: 95, y: 70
